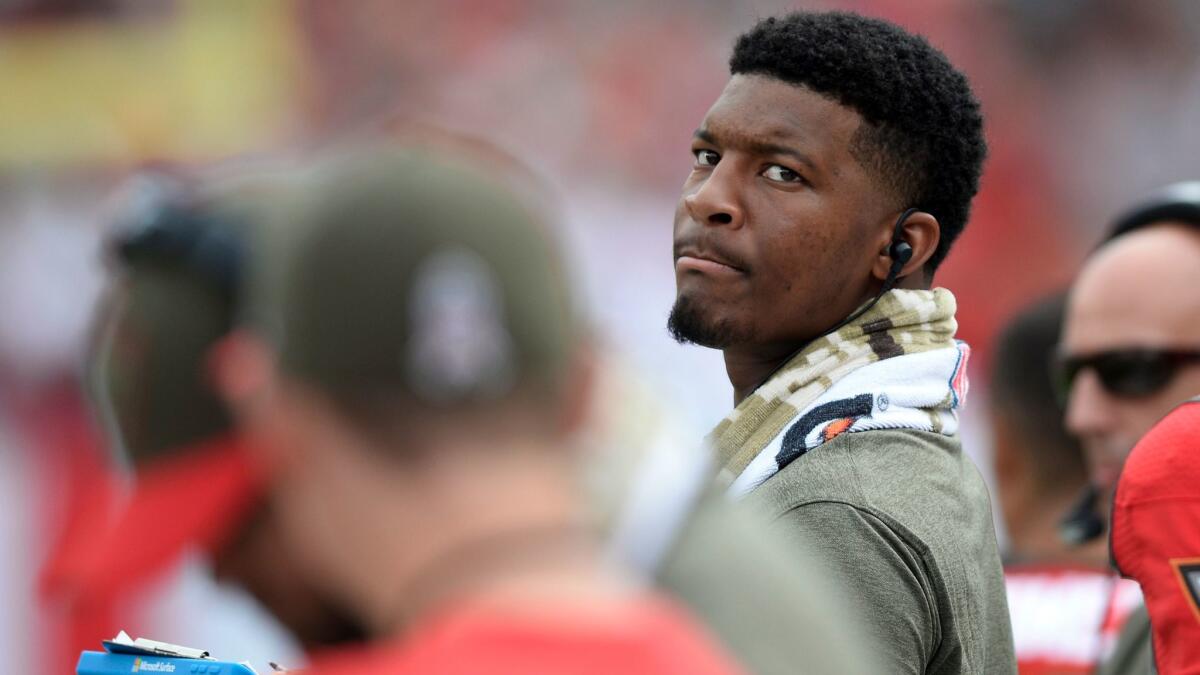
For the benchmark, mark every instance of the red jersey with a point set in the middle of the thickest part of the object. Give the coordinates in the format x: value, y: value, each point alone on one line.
x: 648, y: 637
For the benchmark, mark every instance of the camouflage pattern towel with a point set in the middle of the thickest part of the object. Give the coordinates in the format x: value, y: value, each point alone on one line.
x: 896, y: 366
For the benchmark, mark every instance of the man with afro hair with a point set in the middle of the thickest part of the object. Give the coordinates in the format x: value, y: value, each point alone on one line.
x: 831, y: 178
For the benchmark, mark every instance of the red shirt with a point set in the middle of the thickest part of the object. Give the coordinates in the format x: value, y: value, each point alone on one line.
x: 648, y: 637
x: 1156, y: 534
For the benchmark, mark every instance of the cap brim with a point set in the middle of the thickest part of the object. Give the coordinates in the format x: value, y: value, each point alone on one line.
x: 195, y: 499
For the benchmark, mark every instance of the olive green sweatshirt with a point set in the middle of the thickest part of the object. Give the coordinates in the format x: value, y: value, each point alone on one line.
x: 903, y: 523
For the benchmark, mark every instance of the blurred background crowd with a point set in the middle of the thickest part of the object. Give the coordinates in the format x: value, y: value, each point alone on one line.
x: 1089, y: 104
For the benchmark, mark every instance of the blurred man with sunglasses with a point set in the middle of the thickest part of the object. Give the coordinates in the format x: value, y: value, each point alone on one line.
x: 1131, y: 340
x: 1131, y: 351
x: 177, y: 255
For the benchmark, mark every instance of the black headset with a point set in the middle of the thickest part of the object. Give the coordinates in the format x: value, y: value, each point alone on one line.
x: 900, y: 251
x: 1179, y: 202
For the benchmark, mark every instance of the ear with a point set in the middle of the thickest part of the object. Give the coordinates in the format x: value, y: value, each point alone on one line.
x: 241, y: 368
x: 579, y: 397
x: 922, y: 232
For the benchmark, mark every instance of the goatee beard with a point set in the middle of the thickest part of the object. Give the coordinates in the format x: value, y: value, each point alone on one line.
x: 688, y: 325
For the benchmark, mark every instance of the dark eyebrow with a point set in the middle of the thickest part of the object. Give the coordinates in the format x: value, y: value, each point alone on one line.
x: 757, y: 146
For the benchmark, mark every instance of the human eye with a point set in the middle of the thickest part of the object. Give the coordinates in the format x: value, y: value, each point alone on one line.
x: 782, y: 174
x: 705, y: 157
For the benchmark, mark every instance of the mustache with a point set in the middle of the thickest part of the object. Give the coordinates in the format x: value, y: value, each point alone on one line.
x: 707, y: 247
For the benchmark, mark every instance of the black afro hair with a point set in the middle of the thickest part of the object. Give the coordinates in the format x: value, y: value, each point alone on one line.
x: 923, y: 131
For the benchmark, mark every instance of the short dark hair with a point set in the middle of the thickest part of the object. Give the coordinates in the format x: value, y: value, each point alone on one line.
x: 1022, y: 392
x: 923, y: 131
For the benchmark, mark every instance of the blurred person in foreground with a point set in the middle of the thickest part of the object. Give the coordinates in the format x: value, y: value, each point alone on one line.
x: 197, y: 485
x: 1156, y: 535
x: 429, y: 374
x: 178, y: 258
x: 831, y: 177
x: 1066, y: 607
x: 1130, y: 353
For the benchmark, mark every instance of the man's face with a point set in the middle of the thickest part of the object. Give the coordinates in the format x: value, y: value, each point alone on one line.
x: 257, y: 559
x: 317, y: 490
x: 347, y: 507
x: 1140, y: 291
x: 779, y: 223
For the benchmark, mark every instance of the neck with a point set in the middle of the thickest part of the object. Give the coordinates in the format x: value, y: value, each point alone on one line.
x: 748, y: 368
x: 498, y: 526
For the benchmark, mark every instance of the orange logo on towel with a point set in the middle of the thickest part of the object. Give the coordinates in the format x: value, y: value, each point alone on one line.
x: 836, y: 427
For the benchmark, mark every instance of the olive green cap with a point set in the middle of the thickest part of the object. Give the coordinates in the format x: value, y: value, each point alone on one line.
x: 418, y: 275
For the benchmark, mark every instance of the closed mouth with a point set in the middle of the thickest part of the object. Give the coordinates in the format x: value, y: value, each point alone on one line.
x: 709, y: 258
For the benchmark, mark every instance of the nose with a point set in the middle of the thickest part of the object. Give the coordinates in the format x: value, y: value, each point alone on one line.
x: 1093, y: 418
x: 1088, y: 406
x: 716, y: 200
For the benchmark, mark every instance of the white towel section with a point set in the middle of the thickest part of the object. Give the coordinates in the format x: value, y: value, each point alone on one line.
x: 922, y: 391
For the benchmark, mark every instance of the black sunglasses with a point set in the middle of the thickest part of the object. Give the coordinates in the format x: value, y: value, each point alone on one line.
x: 1127, y: 373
